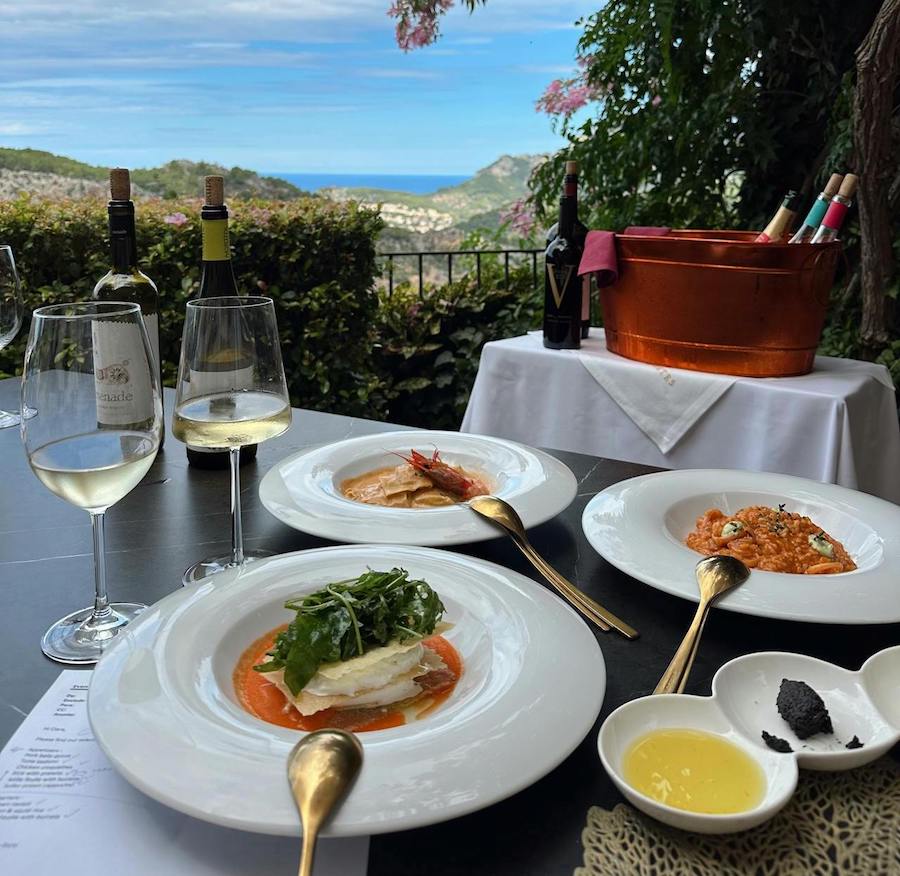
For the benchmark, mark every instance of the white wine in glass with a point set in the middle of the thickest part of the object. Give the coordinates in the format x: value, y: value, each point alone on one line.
x: 231, y: 393
x: 67, y: 380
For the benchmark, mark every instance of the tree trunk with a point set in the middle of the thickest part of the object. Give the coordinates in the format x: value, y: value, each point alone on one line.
x: 877, y: 71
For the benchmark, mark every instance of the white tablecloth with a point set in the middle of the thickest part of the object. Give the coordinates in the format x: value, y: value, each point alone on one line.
x: 838, y: 424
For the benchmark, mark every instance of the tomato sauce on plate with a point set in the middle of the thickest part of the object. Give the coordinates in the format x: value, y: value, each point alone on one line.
x: 261, y: 698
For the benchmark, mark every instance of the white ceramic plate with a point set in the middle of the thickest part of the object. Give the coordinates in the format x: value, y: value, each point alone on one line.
x: 302, y: 490
x: 865, y: 704
x: 163, y: 708
x: 639, y: 526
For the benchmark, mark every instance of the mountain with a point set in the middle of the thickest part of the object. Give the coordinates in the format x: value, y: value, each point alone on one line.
x: 39, y: 172
x: 480, y: 198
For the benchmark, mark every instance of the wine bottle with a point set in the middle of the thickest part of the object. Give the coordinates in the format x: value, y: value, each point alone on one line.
x: 817, y: 212
x: 124, y: 399
x: 563, y: 291
x: 837, y: 211
x: 570, y: 190
x: 217, y: 280
x: 780, y: 223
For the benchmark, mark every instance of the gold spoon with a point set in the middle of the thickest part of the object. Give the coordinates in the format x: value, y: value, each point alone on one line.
x: 715, y: 576
x: 505, y: 515
x: 321, y: 767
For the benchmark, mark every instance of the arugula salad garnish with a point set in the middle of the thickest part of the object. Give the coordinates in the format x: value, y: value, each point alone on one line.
x: 347, y: 618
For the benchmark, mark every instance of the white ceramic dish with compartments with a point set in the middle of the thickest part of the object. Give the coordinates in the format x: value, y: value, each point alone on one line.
x: 865, y: 704
x: 303, y: 490
x: 639, y: 526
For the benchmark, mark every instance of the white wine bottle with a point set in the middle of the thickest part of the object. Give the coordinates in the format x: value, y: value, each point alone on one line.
x: 780, y: 223
x: 217, y: 280
x: 124, y: 400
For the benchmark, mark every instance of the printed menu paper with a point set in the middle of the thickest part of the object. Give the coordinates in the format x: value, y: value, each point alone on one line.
x: 64, y: 809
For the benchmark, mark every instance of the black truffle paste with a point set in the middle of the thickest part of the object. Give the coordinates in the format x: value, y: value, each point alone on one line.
x: 776, y: 743
x: 803, y: 709
x: 854, y: 743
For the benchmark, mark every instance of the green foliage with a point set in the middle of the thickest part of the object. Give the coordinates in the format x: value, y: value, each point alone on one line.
x: 707, y: 112
x: 314, y: 257
x: 431, y: 345
x: 176, y: 179
x: 345, y: 349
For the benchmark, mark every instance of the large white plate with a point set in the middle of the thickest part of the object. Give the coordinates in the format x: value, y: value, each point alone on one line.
x: 302, y: 490
x: 639, y: 526
x: 162, y: 704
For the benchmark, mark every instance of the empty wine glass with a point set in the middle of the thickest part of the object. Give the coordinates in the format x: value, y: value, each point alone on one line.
x: 11, y: 312
x: 231, y: 392
x: 90, y: 377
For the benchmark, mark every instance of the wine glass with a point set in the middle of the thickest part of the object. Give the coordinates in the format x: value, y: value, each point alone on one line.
x: 90, y: 377
x: 11, y: 312
x: 231, y: 392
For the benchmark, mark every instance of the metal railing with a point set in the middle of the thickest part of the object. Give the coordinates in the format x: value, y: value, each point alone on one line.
x: 531, y: 254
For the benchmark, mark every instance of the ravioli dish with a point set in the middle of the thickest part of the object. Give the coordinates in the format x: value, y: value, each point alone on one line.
x: 420, y: 482
x: 361, y: 654
x: 770, y: 539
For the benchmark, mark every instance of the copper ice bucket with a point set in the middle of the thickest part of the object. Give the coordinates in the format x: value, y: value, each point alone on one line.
x: 716, y: 301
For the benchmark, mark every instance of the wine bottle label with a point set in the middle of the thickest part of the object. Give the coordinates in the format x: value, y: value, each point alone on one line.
x: 122, y: 384
x: 834, y: 218
x: 227, y: 380
x: 215, y: 240
x: 559, y: 276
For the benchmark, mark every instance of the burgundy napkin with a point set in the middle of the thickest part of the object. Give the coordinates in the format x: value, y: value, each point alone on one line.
x: 599, y: 256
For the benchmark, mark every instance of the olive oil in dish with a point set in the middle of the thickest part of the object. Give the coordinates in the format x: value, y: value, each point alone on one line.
x: 694, y: 770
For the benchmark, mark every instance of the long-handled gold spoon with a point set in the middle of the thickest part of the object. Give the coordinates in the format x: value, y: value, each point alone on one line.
x: 715, y: 576
x: 321, y: 767
x: 505, y: 515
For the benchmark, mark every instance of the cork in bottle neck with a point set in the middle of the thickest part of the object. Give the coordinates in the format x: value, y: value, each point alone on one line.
x: 119, y: 184
x: 834, y: 183
x: 214, y: 191
x: 848, y: 186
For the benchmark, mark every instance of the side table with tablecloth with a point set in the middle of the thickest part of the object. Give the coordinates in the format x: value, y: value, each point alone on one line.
x: 837, y: 424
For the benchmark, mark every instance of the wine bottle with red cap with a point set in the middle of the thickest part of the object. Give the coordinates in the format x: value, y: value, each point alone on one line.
x: 817, y: 212
x: 837, y: 211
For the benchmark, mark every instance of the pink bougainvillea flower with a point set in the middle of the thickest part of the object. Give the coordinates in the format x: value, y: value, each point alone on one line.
x: 417, y: 21
x: 176, y: 219
x: 563, y: 98
x: 519, y: 217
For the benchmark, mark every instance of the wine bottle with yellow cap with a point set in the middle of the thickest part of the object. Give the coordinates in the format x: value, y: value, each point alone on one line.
x: 217, y: 280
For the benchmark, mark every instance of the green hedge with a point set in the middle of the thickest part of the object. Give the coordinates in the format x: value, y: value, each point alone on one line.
x: 346, y: 349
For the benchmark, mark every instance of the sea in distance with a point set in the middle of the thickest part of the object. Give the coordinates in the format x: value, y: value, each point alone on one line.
x: 395, y: 182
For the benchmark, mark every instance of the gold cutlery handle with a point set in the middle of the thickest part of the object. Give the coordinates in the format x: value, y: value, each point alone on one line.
x: 308, y: 850
x: 592, y: 609
x: 674, y: 679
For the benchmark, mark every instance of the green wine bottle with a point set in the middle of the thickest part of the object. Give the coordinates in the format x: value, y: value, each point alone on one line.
x: 217, y: 280
x: 123, y: 401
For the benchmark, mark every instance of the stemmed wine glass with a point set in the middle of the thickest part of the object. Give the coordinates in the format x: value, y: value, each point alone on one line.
x: 12, y: 310
x: 231, y: 392
x: 90, y: 377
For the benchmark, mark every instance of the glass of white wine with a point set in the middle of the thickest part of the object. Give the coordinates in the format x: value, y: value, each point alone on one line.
x: 231, y: 392
x: 79, y: 356
x: 11, y: 313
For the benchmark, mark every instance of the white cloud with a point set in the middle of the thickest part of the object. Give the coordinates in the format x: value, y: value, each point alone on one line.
x: 20, y: 129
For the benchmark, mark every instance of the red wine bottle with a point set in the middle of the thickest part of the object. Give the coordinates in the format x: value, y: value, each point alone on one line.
x: 570, y: 190
x: 563, y: 295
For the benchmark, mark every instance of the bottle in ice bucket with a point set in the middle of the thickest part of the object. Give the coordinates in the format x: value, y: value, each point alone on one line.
x: 837, y: 211
x: 817, y: 212
x: 780, y: 223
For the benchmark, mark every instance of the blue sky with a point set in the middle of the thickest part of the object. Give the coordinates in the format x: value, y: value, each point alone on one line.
x: 280, y: 85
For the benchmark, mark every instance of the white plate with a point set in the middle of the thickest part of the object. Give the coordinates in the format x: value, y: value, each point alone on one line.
x: 302, y: 490
x: 163, y: 709
x: 639, y: 526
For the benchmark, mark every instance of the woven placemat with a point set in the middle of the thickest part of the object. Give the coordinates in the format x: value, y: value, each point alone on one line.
x: 836, y: 823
